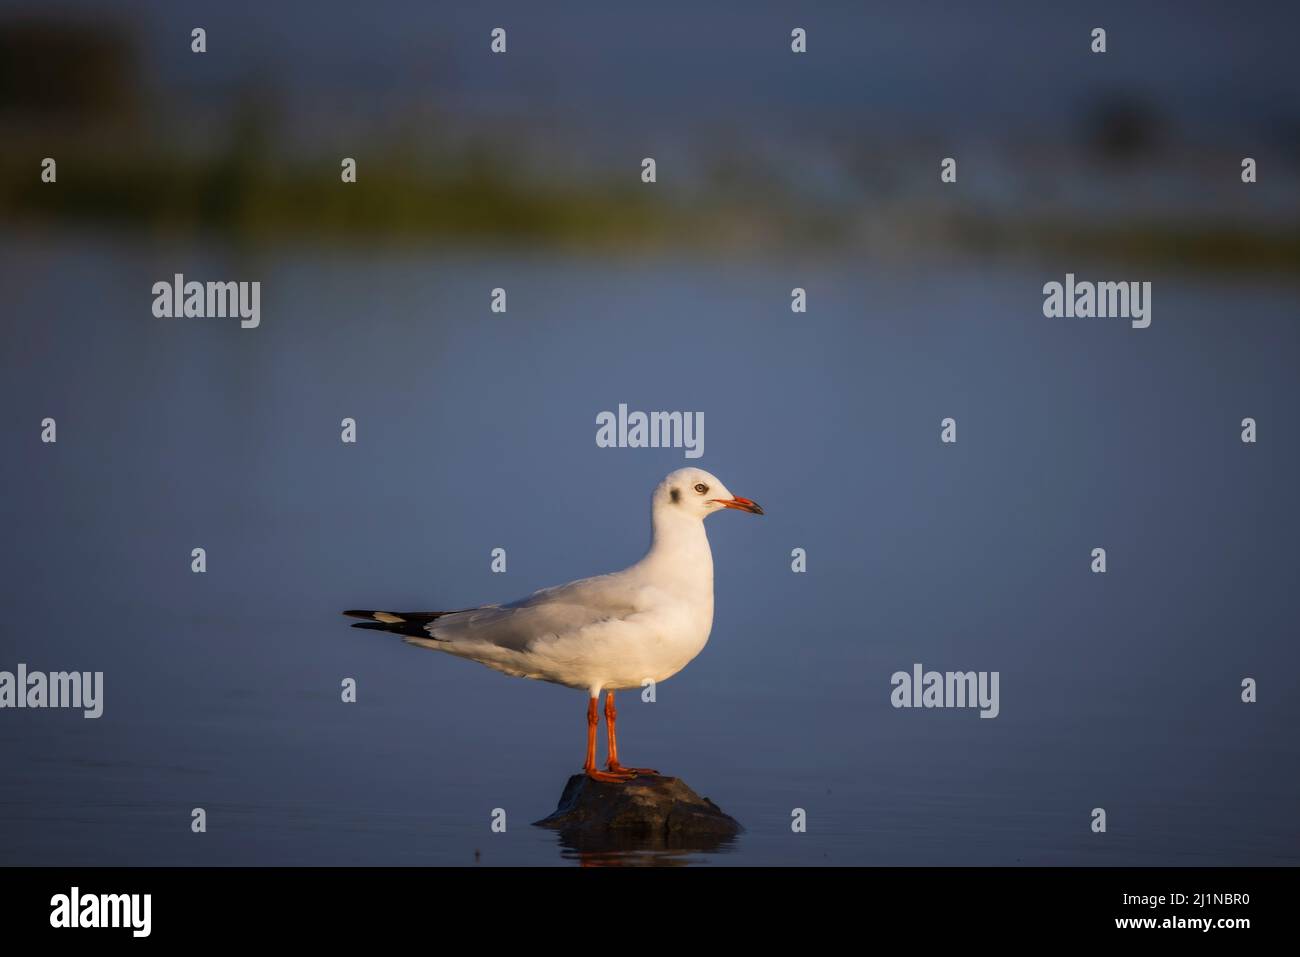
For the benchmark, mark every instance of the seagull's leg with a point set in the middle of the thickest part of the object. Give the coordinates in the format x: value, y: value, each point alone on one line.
x: 593, y: 722
x: 611, y: 715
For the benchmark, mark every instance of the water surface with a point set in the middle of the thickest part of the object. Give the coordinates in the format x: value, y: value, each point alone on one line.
x: 477, y: 431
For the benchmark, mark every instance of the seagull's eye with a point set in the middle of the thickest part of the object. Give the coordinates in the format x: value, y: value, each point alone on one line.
x: 701, y: 488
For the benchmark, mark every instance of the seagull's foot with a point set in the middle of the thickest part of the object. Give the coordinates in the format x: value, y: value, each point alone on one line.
x: 617, y: 768
x: 610, y: 777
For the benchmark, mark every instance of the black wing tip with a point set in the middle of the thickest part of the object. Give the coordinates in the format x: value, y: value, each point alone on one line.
x: 411, y: 629
x: 413, y: 624
x: 373, y: 614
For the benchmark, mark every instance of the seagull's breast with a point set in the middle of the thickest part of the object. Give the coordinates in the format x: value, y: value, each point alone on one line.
x: 653, y: 645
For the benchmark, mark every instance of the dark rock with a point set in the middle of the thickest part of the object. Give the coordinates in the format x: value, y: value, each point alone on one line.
x: 648, y: 812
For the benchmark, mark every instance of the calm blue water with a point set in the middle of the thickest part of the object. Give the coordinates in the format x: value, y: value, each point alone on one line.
x: 477, y: 431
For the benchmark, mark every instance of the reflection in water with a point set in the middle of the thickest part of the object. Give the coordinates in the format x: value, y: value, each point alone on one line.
x: 654, y: 849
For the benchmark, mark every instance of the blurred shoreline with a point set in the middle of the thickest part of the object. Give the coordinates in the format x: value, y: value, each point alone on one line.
x: 1124, y: 184
x: 476, y: 204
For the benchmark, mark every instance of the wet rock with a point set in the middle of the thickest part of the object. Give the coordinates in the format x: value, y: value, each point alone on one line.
x: 651, y: 811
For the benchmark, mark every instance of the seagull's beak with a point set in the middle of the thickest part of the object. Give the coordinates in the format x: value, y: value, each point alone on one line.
x: 744, y: 504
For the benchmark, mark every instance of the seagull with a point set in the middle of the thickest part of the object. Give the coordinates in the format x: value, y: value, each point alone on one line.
x: 607, y: 633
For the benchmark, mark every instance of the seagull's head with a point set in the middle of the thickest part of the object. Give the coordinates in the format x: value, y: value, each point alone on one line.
x: 698, y: 493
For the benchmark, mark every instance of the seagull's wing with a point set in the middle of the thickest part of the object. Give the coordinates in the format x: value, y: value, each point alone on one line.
x: 545, y: 616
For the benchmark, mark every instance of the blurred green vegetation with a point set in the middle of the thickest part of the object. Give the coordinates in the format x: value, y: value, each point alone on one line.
x: 265, y: 201
x: 475, y: 198
x: 74, y: 92
x: 479, y: 200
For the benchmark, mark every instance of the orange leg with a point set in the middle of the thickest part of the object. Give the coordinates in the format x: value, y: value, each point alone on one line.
x: 611, y: 715
x: 611, y: 776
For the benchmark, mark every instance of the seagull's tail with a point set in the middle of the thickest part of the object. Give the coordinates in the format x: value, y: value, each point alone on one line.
x: 412, y: 623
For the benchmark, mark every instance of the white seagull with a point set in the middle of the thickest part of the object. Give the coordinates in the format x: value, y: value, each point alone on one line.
x: 607, y: 633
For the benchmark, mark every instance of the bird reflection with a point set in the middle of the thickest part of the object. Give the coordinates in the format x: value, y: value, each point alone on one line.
x: 638, y: 849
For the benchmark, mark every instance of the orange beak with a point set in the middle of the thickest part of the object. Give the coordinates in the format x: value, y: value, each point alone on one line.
x: 744, y: 504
